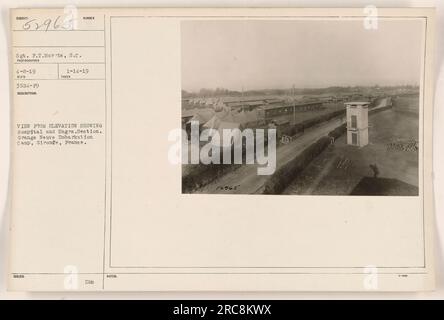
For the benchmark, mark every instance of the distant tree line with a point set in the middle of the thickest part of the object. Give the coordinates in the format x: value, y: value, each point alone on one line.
x: 217, y: 92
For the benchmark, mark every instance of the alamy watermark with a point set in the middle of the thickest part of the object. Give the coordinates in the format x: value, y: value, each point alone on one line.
x: 371, y: 18
x: 370, y: 281
x: 71, y: 278
x: 224, y: 146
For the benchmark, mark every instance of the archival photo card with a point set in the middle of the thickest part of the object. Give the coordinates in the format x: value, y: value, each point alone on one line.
x: 222, y: 149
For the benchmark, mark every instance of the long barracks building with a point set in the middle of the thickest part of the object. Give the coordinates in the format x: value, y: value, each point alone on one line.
x: 288, y: 108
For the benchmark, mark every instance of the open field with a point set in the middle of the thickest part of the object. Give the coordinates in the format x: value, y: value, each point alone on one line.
x: 393, y: 147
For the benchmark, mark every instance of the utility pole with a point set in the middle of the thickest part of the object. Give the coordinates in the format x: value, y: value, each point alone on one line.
x: 294, y: 105
x: 242, y: 97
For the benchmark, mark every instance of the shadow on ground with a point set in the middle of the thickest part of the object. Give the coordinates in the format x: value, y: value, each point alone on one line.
x: 383, y: 187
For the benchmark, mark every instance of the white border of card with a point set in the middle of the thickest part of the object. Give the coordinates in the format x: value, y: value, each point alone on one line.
x: 97, y: 205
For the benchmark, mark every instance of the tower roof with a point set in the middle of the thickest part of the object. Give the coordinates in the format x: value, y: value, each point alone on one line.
x: 357, y: 103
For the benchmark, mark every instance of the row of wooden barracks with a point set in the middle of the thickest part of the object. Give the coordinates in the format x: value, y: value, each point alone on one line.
x: 273, y: 107
x: 266, y: 109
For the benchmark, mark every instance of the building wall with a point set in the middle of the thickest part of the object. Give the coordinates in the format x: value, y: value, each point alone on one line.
x: 361, y: 115
x: 364, y: 137
x: 361, y: 125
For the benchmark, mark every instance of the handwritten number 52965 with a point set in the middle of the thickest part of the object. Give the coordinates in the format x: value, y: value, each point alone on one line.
x: 47, y: 24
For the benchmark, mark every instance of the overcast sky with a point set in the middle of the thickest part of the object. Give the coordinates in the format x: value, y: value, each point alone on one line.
x: 278, y: 54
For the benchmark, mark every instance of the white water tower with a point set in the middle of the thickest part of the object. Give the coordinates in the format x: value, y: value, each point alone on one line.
x: 357, y: 123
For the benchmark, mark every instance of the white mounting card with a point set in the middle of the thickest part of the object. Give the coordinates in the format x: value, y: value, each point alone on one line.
x: 222, y: 149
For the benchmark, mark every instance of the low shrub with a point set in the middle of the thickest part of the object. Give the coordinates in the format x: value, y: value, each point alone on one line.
x: 285, y: 175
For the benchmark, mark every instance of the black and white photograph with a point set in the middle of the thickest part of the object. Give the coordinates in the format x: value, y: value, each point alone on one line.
x: 302, y: 107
